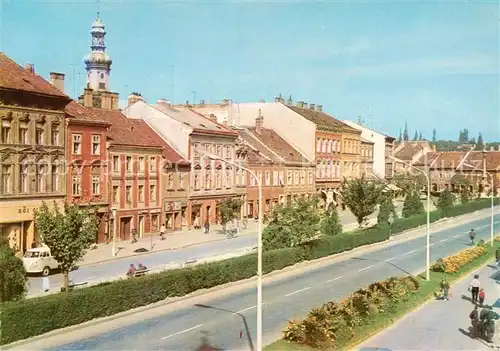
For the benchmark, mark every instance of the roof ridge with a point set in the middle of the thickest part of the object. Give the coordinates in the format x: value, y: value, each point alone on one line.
x: 267, y: 147
x: 261, y: 143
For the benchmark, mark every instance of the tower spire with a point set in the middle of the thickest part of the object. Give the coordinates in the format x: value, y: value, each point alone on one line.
x: 98, y: 63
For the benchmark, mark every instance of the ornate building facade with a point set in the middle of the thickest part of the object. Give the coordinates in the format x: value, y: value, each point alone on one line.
x: 32, y: 144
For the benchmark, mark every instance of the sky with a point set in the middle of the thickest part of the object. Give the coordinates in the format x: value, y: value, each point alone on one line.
x: 434, y: 65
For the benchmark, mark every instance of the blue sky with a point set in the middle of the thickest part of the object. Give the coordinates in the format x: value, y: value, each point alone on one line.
x: 434, y: 65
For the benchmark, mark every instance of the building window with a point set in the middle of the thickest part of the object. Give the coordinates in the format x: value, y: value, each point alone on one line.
x: 152, y: 193
x: 77, y: 144
x: 259, y: 177
x: 23, y: 178
x: 5, y: 132
x: 152, y: 165
x: 181, y: 180
x: 218, y: 180
x: 154, y: 222
x: 128, y: 194
x: 54, y: 136
x: 141, y: 164
x: 323, y: 148
x: 289, y: 177
x: 39, y: 134
x: 318, y: 145
x: 303, y: 177
x: 141, y: 193
x: 96, y: 183
x: 268, y: 178
x: 228, y: 152
x: 23, y: 134
x: 275, y: 178
x: 219, y: 151
x: 6, y: 179
x: 196, y: 181
x: 281, y: 178
x: 253, y: 181
x: 229, y: 179
x: 76, y: 185
x: 296, y: 179
x: 208, y: 184
x: 96, y: 144
x: 170, y: 180
x: 116, y: 194
x: 311, y: 178
x: 40, y: 186
x: 129, y: 164
x: 116, y: 163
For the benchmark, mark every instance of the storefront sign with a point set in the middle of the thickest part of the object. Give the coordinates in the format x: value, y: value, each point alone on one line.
x: 23, y: 210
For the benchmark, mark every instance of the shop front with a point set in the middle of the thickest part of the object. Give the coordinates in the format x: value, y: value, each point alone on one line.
x: 175, y: 214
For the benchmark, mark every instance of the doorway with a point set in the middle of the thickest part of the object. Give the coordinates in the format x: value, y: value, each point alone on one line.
x: 125, y: 224
x: 207, y: 216
x: 141, y: 226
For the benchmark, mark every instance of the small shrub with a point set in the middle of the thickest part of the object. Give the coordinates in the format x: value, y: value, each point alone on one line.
x: 452, y: 264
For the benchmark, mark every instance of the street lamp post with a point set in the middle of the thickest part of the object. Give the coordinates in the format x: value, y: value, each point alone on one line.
x: 259, y: 246
x: 113, y: 211
x: 492, y: 197
x: 428, y: 244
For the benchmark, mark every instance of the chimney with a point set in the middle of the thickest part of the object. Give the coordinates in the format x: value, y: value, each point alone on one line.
x: 30, y: 68
x: 134, y: 97
x: 259, y: 121
x: 88, y: 97
x: 300, y: 104
x: 319, y: 108
x: 311, y: 106
x: 57, y: 80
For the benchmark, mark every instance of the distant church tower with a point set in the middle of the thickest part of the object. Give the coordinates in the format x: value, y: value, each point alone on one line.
x: 98, y: 63
x: 98, y: 66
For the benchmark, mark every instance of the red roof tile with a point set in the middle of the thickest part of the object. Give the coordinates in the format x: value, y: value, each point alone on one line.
x: 492, y: 158
x: 84, y: 114
x: 323, y: 120
x: 409, y: 150
x: 15, y: 77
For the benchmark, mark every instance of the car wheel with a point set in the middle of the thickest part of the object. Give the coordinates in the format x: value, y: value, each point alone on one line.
x: 46, y: 271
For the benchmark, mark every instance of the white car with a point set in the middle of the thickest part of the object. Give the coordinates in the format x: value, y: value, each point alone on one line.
x: 39, y: 260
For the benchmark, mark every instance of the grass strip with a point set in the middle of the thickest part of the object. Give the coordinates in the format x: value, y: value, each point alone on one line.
x: 385, y: 319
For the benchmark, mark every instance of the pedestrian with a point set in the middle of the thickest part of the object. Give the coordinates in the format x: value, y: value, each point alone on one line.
x: 445, y: 288
x: 134, y: 235
x: 207, y: 227
x: 131, y: 271
x: 196, y: 222
x: 474, y: 319
x: 474, y: 288
x: 497, y: 256
x: 482, y: 296
x: 163, y: 230
x: 472, y: 236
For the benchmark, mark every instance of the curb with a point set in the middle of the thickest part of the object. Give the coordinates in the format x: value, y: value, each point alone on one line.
x: 240, y: 285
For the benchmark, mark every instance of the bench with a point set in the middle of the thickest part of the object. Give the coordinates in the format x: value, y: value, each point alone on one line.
x: 141, y: 272
x: 72, y: 286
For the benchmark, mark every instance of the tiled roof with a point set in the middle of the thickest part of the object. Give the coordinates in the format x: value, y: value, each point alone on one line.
x: 409, y: 150
x: 452, y: 159
x: 81, y: 113
x: 430, y: 157
x: 272, y: 145
x: 366, y: 141
x: 15, y: 77
x: 324, y: 121
x: 492, y: 158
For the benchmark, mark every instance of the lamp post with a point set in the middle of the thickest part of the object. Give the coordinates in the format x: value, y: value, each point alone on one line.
x: 113, y: 211
x: 259, y: 246
x: 492, y: 223
x: 428, y: 244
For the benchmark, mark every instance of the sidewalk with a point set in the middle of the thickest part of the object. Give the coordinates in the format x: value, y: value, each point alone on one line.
x: 443, y: 325
x: 186, y: 238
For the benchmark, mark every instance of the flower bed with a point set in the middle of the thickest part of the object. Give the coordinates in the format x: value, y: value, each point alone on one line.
x: 452, y: 264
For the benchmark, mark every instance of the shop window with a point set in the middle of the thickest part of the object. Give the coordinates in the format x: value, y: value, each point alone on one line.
x: 155, y: 221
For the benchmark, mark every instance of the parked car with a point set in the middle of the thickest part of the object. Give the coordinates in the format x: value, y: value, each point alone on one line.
x: 39, y: 260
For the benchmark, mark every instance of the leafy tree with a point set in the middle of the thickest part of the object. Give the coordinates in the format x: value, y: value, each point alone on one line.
x: 473, y: 140
x: 12, y: 274
x: 446, y: 202
x: 361, y: 196
x: 331, y: 225
x: 408, y: 182
x: 290, y: 225
x: 386, y: 208
x: 466, y: 135
x: 465, y: 195
x: 229, y: 210
x: 434, y: 135
x: 415, y: 136
x: 68, y: 234
x: 480, y: 142
x: 420, y: 137
x: 412, y: 204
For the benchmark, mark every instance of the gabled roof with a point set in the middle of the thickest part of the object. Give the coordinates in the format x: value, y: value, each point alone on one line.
x: 451, y: 160
x: 428, y: 159
x: 271, y: 145
x: 83, y: 114
x: 323, y: 120
x: 15, y: 77
x: 409, y: 150
x: 492, y: 159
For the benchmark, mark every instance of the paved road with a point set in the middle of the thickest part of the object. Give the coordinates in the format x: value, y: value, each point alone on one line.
x: 442, y: 325
x: 222, y: 319
x: 155, y: 260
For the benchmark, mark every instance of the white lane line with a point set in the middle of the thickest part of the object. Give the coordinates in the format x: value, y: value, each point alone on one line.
x: 410, y: 252
x: 442, y: 241
x: 456, y: 236
x: 334, y: 279
x: 298, y: 291
x: 183, y: 331
x: 390, y: 259
x: 246, y: 309
x: 364, y: 269
x: 431, y: 245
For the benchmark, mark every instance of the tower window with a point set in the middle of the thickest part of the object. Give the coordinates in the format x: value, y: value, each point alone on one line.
x: 102, y: 75
x: 102, y: 86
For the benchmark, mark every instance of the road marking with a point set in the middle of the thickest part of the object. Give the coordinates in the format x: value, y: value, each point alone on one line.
x: 246, y: 309
x: 390, y: 259
x: 298, y: 291
x: 364, y: 269
x: 456, y: 236
x: 442, y: 241
x: 182, y: 332
x: 410, y: 252
x: 431, y: 245
x: 334, y: 279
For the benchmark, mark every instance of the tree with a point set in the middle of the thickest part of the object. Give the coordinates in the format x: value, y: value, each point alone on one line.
x: 68, y: 234
x: 13, y: 278
x: 446, y: 202
x: 386, y: 208
x: 480, y: 142
x: 466, y: 135
x: 229, y: 210
x: 405, y: 133
x: 412, y: 204
x: 361, y: 196
x: 434, y: 135
x: 461, y: 136
x: 331, y: 225
x: 465, y: 195
x: 420, y: 137
x: 290, y: 225
x: 400, y: 138
x: 415, y: 136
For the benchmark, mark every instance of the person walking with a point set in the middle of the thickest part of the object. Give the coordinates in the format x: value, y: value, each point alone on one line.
x: 445, y: 288
x: 207, y: 227
x: 474, y: 319
x: 163, y: 230
x: 472, y: 236
x: 474, y: 288
x: 482, y: 296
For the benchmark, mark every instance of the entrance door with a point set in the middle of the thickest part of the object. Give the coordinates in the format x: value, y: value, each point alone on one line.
x: 207, y: 216
x: 141, y: 226
x: 125, y: 224
x: 250, y: 210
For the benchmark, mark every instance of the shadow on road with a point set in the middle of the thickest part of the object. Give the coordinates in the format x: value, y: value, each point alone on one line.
x: 247, y: 330
x: 388, y: 263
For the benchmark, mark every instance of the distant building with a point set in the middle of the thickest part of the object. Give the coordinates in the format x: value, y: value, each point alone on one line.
x: 410, y: 152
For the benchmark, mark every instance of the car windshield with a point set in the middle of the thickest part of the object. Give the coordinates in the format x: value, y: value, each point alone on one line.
x: 32, y: 254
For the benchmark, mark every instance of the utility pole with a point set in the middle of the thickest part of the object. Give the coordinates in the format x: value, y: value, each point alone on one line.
x: 194, y: 97
x: 74, y: 80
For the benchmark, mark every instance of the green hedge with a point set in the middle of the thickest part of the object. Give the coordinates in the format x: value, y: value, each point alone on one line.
x: 31, y: 317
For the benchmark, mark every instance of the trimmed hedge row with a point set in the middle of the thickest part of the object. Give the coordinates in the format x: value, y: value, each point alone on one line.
x: 31, y: 317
